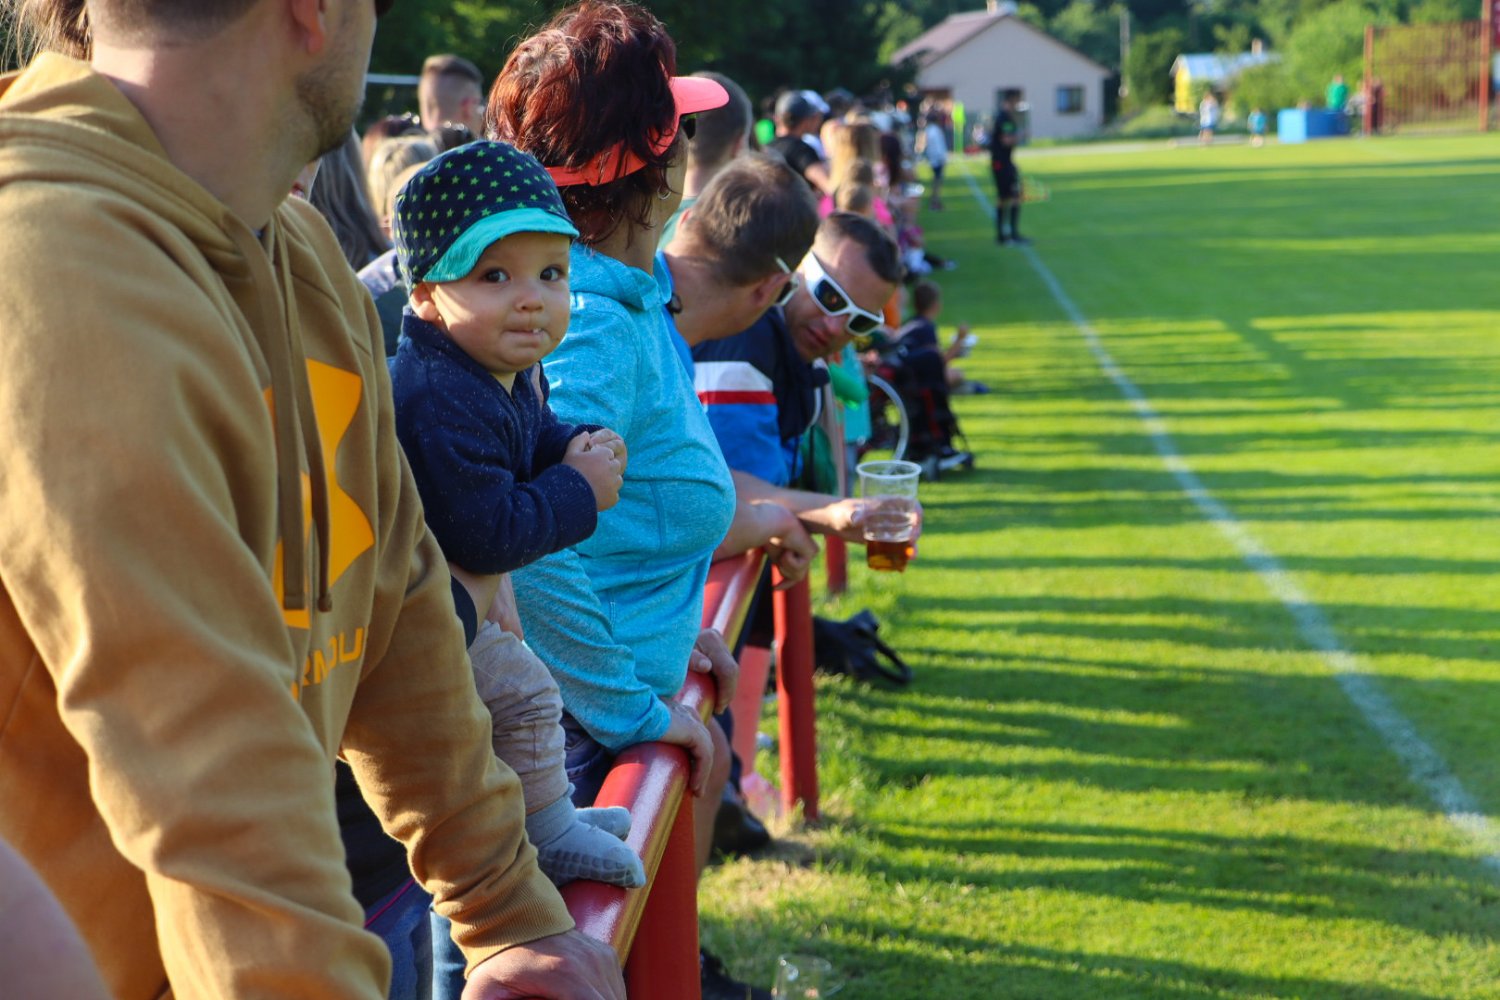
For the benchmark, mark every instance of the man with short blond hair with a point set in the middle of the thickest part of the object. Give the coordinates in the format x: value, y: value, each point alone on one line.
x: 451, y: 92
x: 216, y: 576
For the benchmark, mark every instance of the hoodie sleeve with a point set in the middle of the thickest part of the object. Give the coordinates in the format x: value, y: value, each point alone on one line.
x: 418, y: 736
x: 570, y: 628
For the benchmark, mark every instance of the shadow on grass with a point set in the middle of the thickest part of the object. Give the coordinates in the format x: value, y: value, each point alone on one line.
x: 987, y: 971
x: 1252, y: 440
x: 1369, y: 566
x: 1426, y: 891
x: 1248, y: 624
x: 1094, y: 496
x: 1256, y: 737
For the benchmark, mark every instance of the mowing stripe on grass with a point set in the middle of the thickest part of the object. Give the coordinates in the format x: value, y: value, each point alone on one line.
x: 1424, y: 765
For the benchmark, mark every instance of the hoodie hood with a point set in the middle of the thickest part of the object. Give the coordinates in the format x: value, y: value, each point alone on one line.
x: 593, y: 273
x: 60, y: 122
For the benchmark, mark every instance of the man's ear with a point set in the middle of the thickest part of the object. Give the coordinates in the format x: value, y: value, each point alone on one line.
x: 764, y: 291
x: 424, y: 306
x: 310, y: 20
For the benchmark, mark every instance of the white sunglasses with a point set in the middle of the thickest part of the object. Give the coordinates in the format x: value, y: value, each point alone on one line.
x: 790, y: 288
x: 834, y: 301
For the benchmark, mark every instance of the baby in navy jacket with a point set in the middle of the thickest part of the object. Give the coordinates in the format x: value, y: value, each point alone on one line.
x: 482, y: 242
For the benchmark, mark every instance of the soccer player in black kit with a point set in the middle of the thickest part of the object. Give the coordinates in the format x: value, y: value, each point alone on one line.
x: 1003, y: 141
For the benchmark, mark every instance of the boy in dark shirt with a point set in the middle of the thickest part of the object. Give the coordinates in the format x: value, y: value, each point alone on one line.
x: 923, y: 372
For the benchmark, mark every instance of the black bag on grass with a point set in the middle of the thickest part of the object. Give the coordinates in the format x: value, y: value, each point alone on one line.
x: 852, y: 647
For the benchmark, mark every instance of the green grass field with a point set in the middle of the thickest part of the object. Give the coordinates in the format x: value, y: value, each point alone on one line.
x: 1123, y: 771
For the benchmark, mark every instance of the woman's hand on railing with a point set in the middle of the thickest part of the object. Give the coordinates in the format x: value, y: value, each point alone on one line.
x: 687, y: 731
x: 791, y: 548
x: 711, y: 656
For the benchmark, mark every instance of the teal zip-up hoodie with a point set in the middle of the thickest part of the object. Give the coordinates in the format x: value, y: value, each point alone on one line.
x: 615, y: 618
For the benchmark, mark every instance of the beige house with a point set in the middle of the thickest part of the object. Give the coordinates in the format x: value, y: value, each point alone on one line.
x: 975, y: 57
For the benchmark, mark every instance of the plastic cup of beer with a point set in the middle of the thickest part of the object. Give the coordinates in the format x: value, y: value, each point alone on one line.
x: 889, y: 490
x: 805, y: 977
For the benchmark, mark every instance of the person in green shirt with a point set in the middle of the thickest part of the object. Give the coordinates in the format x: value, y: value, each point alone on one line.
x: 1338, y: 93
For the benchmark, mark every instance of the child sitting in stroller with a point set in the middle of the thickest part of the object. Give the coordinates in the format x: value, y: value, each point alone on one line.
x: 914, y: 364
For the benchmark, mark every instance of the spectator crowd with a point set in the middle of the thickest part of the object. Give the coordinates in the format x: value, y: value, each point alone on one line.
x: 377, y: 522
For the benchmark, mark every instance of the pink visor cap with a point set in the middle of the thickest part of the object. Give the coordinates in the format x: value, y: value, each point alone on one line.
x: 691, y: 94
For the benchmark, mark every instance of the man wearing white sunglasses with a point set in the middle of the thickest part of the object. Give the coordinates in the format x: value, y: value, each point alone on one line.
x: 761, y: 385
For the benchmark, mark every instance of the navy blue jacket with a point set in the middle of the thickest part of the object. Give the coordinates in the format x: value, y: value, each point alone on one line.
x: 488, y: 463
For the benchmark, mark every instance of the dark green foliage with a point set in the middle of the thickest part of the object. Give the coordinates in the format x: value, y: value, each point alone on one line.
x: 764, y: 46
x: 1091, y: 28
x: 1149, y: 67
x: 770, y: 44
x: 483, y: 32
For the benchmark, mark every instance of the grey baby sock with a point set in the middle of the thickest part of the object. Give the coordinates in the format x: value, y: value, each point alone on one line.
x: 584, y: 843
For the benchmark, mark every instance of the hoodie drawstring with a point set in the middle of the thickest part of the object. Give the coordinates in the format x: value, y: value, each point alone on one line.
x: 291, y: 397
x: 312, y: 440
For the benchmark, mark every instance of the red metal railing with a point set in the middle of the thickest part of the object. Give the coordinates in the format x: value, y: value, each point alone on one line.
x: 650, y: 780
x: 655, y: 929
x: 794, y: 702
x: 836, y: 558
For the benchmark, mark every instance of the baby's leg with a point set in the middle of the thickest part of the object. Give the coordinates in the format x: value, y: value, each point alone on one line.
x: 526, y: 712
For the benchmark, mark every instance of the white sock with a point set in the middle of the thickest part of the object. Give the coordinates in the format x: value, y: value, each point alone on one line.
x: 584, y: 843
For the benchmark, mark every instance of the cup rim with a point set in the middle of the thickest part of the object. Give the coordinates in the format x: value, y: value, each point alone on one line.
x: 888, y: 468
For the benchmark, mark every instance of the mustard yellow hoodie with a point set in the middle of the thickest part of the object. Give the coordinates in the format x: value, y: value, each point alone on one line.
x: 177, y: 672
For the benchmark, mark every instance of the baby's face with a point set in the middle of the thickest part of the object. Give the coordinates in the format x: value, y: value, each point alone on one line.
x: 512, y: 309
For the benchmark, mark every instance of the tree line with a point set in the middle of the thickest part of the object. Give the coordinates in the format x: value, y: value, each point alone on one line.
x: 768, y: 44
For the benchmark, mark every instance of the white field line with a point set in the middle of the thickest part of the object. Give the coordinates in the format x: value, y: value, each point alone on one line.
x: 1424, y: 765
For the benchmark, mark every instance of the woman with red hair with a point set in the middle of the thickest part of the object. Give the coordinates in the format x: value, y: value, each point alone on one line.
x: 593, y: 95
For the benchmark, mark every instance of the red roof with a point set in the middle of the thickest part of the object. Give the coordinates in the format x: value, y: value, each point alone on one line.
x: 941, y: 39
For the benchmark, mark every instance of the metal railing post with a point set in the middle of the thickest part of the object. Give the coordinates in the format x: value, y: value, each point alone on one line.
x: 836, y: 554
x: 795, y: 700
x: 664, y: 959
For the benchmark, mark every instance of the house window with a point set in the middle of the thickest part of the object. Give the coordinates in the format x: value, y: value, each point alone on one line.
x: 1069, y: 100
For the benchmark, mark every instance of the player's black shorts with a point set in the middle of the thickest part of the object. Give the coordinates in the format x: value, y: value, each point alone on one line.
x: 1007, y: 181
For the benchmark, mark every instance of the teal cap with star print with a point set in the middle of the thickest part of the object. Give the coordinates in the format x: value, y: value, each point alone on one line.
x: 466, y: 199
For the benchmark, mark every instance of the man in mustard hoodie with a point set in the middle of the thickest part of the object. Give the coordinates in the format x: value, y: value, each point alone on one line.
x: 215, y: 571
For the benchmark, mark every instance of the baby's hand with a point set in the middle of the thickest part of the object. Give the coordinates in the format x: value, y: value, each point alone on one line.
x: 599, y: 467
x: 606, y: 438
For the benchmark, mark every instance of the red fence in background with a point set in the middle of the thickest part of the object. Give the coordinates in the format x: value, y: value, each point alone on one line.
x: 1428, y: 75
